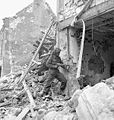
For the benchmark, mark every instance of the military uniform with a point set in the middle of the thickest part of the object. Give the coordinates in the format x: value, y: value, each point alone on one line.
x: 52, y: 64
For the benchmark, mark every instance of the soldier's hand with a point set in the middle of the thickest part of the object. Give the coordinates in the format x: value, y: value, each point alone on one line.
x: 67, y: 67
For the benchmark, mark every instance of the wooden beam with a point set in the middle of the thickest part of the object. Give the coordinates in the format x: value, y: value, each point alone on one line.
x: 32, y: 102
x: 93, y: 12
x: 23, y: 113
x: 37, y: 62
x: 100, y: 24
x: 29, y: 94
x: 36, y: 52
x: 99, y: 9
x: 50, y: 39
x: 99, y: 30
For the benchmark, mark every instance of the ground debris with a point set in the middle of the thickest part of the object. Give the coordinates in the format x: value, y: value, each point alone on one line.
x: 96, y: 102
x: 15, y: 103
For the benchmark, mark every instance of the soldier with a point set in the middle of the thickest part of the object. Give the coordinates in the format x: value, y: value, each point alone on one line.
x: 53, y: 62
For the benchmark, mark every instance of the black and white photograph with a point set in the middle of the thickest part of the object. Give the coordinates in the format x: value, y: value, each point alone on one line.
x: 56, y: 59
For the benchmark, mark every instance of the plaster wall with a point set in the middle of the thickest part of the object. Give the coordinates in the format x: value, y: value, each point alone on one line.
x: 73, y: 45
x: 63, y: 44
x: 69, y: 55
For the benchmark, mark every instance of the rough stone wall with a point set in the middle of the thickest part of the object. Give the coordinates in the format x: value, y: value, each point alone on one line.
x: 97, y: 58
x: 97, y: 64
x: 69, y: 8
x: 26, y: 27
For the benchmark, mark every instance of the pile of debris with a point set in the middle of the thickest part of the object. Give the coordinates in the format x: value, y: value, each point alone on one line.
x: 15, y: 103
x: 95, y: 102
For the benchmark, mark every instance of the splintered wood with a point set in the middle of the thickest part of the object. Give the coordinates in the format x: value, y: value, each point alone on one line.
x: 23, y: 113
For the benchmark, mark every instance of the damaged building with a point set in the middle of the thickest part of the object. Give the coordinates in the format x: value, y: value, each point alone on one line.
x: 19, y: 34
x: 98, y: 57
x: 84, y: 31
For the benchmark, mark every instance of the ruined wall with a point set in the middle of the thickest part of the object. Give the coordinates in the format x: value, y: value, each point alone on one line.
x: 73, y: 45
x: 97, y: 64
x: 69, y: 55
x: 63, y: 44
x: 1, y: 41
x: 68, y: 44
x: 69, y: 8
x: 26, y: 27
x: 4, y: 47
x: 97, y: 55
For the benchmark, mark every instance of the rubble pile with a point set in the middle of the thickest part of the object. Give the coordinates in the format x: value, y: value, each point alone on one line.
x: 95, y: 102
x: 15, y: 103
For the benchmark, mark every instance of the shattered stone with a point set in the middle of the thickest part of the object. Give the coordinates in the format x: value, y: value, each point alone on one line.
x: 14, y: 99
x: 96, y: 103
